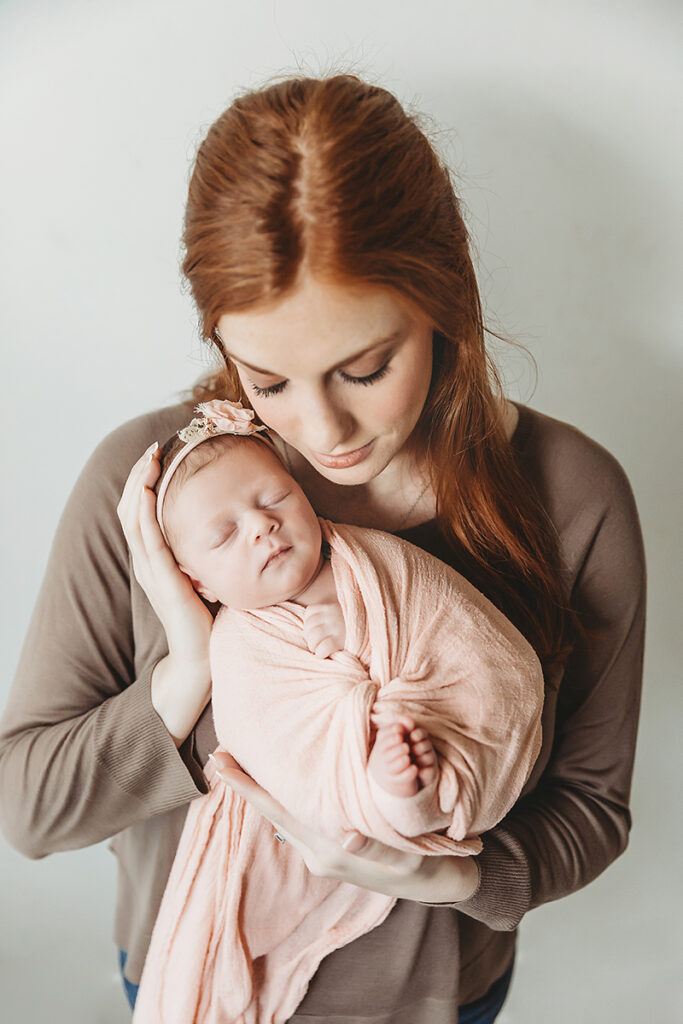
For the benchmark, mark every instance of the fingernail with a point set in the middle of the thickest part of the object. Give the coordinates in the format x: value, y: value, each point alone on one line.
x: 151, y: 451
x: 354, y: 843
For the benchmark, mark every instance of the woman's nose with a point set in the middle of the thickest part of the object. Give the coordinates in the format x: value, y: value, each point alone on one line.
x: 325, y: 423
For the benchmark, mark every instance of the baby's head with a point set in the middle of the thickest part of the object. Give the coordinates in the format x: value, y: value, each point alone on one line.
x: 237, y: 522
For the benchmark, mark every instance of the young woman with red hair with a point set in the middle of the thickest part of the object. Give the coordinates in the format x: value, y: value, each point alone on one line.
x: 330, y: 265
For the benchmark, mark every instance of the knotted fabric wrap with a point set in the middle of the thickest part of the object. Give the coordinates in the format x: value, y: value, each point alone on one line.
x: 243, y: 924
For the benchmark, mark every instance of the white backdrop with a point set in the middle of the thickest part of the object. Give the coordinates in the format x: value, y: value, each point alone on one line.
x: 561, y: 120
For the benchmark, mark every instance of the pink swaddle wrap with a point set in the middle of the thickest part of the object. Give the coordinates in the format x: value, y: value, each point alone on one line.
x: 243, y: 924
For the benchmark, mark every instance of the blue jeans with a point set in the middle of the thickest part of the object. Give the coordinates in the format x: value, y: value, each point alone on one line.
x: 131, y: 989
x: 482, y: 1011
x: 486, y: 1009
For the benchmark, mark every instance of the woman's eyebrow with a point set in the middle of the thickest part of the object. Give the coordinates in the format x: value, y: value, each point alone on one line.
x: 342, y: 362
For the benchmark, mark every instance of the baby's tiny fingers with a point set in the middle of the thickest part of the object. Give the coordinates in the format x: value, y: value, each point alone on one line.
x: 325, y: 648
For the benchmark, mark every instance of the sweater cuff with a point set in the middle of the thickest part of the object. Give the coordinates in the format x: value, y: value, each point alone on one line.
x: 503, y: 895
x: 144, y: 746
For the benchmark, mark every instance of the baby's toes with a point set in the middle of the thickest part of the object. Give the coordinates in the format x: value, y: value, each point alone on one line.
x: 426, y: 776
x: 397, y: 758
x: 424, y: 753
x: 425, y: 758
x: 388, y: 736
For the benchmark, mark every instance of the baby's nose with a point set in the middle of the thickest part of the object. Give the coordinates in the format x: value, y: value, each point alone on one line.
x: 262, y: 525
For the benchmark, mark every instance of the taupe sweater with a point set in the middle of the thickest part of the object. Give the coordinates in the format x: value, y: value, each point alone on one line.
x: 84, y: 756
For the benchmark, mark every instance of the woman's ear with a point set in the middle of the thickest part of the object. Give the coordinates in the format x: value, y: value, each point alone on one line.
x: 203, y: 591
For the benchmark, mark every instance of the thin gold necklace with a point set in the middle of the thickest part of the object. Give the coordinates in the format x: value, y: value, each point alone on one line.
x: 412, y: 508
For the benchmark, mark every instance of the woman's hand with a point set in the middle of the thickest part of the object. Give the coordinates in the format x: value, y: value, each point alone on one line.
x: 361, y: 861
x: 181, y: 682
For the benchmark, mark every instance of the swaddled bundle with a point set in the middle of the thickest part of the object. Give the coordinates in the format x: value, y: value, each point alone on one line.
x: 243, y: 925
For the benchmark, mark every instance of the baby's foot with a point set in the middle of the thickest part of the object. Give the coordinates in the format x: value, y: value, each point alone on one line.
x: 402, y: 760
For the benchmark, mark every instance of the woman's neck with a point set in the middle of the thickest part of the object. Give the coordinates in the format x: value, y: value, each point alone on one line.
x: 400, y: 497
x: 381, y: 503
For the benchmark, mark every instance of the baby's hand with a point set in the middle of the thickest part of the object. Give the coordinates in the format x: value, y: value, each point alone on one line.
x: 324, y: 629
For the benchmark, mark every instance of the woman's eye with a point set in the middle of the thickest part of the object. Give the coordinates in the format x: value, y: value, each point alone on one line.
x: 369, y: 378
x: 274, y: 389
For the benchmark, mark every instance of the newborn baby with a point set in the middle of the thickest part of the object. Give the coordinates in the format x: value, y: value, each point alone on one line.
x: 325, y: 631
x: 243, y: 531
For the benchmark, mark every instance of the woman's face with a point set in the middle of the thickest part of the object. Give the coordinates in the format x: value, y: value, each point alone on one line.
x: 340, y: 373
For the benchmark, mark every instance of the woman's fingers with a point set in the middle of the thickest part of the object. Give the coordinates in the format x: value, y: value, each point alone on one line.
x: 248, y: 789
x: 354, y: 842
x: 223, y: 759
x: 301, y: 837
x: 157, y: 550
x: 374, y: 865
x: 186, y: 620
x: 361, y: 861
x: 143, y: 474
x: 141, y: 469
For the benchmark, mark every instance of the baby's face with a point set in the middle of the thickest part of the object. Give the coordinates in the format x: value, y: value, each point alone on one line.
x: 246, y: 533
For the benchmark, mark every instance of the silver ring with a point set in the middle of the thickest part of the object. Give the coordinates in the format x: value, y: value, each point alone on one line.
x: 281, y: 838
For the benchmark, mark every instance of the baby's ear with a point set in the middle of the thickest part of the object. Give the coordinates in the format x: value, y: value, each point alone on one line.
x: 203, y: 591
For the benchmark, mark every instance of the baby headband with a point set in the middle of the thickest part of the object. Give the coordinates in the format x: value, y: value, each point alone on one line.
x: 217, y: 417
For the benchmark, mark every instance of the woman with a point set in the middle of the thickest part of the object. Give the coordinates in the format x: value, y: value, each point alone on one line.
x: 329, y: 263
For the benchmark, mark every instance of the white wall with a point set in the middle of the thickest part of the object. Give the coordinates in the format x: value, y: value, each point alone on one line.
x: 561, y: 119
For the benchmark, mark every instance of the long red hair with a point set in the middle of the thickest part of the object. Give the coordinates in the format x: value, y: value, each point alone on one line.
x: 332, y: 177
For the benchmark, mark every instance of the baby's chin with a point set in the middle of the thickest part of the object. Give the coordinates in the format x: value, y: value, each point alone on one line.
x: 252, y: 601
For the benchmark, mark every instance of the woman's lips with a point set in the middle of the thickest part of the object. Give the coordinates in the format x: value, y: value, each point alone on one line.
x: 342, y: 461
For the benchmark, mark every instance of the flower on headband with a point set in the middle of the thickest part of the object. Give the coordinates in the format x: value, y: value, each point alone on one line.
x: 219, y: 417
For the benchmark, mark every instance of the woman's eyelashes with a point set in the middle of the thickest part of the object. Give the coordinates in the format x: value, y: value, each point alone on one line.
x: 370, y: 378
x: 274, y: 389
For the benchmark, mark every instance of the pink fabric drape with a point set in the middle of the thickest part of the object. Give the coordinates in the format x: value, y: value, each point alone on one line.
x: 243, y: 924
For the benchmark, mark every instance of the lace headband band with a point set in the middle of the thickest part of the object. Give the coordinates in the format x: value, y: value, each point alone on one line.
x: 217, y: 417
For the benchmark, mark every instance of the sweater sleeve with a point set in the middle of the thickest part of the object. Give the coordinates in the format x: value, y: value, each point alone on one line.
x: 576, y: 820
x: 83, y: 754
